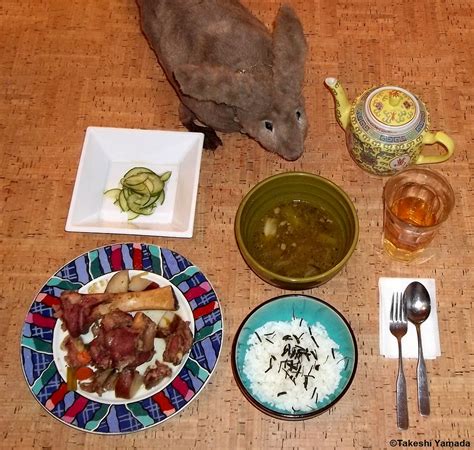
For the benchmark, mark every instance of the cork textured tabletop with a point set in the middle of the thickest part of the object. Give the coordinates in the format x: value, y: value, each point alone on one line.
x: 65, y: 66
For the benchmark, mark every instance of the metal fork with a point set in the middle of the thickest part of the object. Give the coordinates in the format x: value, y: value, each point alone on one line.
x: 398, y: 327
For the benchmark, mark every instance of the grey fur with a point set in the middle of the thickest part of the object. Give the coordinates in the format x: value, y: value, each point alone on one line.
x: 230, y: 73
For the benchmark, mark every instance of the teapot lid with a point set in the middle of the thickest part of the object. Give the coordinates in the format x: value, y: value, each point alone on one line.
x: 392, y: 109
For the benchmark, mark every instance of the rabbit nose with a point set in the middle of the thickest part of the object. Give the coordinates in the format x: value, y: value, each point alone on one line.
x: 293, y: 154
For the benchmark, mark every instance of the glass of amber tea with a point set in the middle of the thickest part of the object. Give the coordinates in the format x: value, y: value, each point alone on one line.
x: 416, y: 202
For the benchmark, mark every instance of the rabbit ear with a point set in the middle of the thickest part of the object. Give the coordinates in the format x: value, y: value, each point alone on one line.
x: 220, y: 85
x: 289, y: 52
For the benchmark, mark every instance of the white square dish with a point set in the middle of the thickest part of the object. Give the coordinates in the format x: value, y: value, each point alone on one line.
x: 108, y: 153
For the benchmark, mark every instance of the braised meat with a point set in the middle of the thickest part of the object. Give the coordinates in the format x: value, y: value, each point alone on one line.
x: 102, y: 381
x: 116, y: 319
x: 76, y: 312
x: 154, y: 374
x: 79, y: 311
x: 123, y: 341
x: 178, y: 342
x: 128, y: 383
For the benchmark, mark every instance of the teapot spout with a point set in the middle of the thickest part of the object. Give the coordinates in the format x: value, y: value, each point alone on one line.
x: 343, y: 106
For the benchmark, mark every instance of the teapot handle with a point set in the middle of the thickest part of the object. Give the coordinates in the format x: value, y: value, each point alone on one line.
x: 433, y: 138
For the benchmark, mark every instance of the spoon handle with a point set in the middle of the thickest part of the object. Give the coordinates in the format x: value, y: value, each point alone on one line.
x: 422, y: 379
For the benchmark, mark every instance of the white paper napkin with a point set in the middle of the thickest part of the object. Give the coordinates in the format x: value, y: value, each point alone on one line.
x: 429, y: 328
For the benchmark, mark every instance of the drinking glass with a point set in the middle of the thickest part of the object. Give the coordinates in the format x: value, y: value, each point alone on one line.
x: 416, y: 202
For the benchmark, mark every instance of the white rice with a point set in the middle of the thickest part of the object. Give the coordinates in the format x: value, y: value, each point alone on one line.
x: 292, y: 366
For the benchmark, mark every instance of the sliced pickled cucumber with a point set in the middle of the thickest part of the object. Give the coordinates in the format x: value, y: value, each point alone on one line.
x: 161, y: 197
x: 136, y: 171
x: 131, y: 215
x: 133, y: 180
x: 113, y: 194
x: 155, y: 184
x: 153, y: 200
x: 127, y: 192
x: 141, y: 188
x: 165, y: 176
x: 123, y: 203
x: 140, y: 193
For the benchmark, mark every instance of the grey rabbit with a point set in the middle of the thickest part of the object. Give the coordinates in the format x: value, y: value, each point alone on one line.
x: 230, y: 73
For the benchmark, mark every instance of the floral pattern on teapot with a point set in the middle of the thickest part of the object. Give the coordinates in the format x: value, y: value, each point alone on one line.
x: 393, y: 107
x: 376, y: 160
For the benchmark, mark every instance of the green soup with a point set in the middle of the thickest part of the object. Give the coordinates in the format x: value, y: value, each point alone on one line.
x: 297, y: 239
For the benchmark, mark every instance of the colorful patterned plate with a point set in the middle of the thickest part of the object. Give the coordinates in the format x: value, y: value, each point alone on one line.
x: 39, y: 355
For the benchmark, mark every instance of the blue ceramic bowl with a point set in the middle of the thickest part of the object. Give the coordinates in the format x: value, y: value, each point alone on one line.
x: 312, y: 310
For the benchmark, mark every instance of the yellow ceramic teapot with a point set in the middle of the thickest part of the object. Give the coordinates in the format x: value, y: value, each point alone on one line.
x: 386, y: 128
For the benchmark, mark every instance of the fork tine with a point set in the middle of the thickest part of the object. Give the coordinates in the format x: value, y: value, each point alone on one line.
x: 404, y: 308
x: 392, y: 308
x: 400, y: 303
x: 397, y: 308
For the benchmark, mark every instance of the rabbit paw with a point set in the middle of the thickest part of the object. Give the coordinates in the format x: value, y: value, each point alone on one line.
x: 211, y: 140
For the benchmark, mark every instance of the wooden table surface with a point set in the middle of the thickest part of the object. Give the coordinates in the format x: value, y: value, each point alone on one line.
x: 69, y: 65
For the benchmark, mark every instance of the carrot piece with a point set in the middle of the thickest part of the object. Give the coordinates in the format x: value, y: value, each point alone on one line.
x: 83, y: 373
x: 84, y: 357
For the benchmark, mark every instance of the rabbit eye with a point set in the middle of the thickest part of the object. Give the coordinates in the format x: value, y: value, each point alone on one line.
x: 298, y: 115
x: 268, y: 125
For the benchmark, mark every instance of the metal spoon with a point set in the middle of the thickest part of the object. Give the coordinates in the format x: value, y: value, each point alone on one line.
x: 418, y: 309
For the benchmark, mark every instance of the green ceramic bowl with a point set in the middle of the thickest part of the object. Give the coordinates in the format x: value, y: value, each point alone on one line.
x: 295, y: 186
